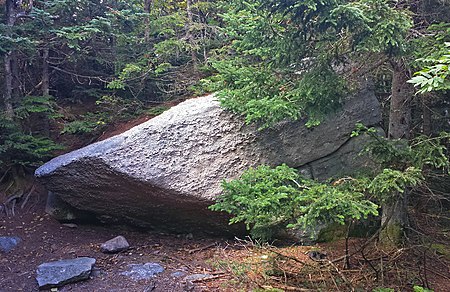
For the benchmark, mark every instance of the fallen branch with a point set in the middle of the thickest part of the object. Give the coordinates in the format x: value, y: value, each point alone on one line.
x: 201, y: 248
x: 27, y: 197
x: 291, y: 258
x: 342, y: 276
x: 208, y: 278
x: 4, y: 175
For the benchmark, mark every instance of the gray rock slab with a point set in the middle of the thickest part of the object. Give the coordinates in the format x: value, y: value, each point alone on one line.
x: 59, y: 273
x: 117, y: 244
x: 143, y: 271
x: 165, y: 172
x: 8, y: 243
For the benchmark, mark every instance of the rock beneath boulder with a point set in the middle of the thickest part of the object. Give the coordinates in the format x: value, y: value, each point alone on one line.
x: 8, y: 243
x: 165, y: 172
x: 59, y: 273
x: 117, y: 244
x: 64, y: 212
x: 143, y: 271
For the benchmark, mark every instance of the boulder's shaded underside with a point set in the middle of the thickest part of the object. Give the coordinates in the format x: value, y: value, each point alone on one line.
x: 165, y: 172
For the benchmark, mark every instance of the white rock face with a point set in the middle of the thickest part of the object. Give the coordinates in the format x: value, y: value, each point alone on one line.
x: 166, y: 171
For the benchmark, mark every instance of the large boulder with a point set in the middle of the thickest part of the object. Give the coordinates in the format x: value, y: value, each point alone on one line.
x: 167, y: 171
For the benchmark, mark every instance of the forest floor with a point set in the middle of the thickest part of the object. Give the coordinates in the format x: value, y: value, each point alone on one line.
x: 224, y: 264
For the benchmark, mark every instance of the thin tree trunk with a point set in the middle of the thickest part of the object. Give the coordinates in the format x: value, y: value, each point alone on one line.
x: 12, y: 9
x: 45, y: 74
x: 399, y: 128
x: 8, y: 95
x: 45, y: 92
x: 8, y: 102
x: 189, y: 33
x: 426, y: 117
x: 147, y: 9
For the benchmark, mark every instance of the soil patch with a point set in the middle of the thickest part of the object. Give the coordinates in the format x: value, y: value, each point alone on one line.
x: 45, y: 239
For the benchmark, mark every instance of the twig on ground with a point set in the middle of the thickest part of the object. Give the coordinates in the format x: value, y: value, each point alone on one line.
x: 370, y: 264
x: 208, y: 278
x: 289, y: 257
x: 202, y: 248
x: 342, y: 276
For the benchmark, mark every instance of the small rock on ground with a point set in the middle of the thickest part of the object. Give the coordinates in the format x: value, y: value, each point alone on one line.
x: 8, y: 243
x: 178, y: 274
x: 316, y: 255
x: 143, y: 271
x: 59, y: 273
x: 117, y: 244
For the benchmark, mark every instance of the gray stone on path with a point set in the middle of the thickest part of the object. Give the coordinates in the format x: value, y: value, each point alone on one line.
x: 143, y: 271
x: 59, y: 273
x: 117, y: 244
x: 8, y: 243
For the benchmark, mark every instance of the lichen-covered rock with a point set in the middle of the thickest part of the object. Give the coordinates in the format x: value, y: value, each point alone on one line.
x: 165, y: 172
x: 143, y: 271
x: 59, y: 273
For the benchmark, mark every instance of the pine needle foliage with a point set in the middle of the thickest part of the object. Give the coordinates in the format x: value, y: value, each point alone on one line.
x: 18, y: 149
x: 404, y: 165
x: 268, y: 199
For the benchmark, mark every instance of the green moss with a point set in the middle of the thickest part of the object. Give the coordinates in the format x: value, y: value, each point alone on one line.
x: 441, y: 249
x: 391, y: 236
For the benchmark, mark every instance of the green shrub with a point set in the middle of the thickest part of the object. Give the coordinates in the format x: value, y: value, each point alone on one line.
x: 268, y: 199
x: 20, y: 149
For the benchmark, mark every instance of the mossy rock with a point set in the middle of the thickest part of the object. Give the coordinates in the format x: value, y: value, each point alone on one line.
x: 332, y: 232
x: 336, y: 231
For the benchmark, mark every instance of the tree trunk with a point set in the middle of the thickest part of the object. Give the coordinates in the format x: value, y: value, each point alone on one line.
x: 427, y: 126
x: 147, y: 9
x: 395, y: 210
x: 189, y: 33
x: 400, y: 106
x: 7, y: 97
x: 45, y: 128
x: 12, y: 11
x: 45, y: 74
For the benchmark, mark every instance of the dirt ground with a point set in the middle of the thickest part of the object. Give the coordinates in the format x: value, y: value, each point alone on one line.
x: 45, y: 239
